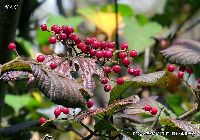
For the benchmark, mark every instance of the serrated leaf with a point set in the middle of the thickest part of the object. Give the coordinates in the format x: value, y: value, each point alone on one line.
x: 58, y: 88
x: 103, y: 125
x: 139, y: 36
x: 106, y: 112
x: 183, y: 52
x: 183, y: 125
x: 14, y: 129
x: 156, y: 78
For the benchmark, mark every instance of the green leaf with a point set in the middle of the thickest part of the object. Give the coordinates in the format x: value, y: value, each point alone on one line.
x: 123, y: 9
x: 139, y: 36
x: 17, y: 101
x: 156, y: 78
x: 104, y: 125
x: 42, y: 37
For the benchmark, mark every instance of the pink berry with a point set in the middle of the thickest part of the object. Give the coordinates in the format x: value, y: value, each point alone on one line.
x: 116, y: 68
x: 53, y: 65
x: 54, y: 27
x: 70, y: 30
x: 104, y: 80
x: 133, y: 53
x: 126, y: 61
x: 104, y: 53
x: 90, y: 103
x: 180, y: 74
x: 65, y: 110
x: 43, y: 27
x: 103, y: 45
x: 57, y: 112
x: 96, y: 44
x: 182, y: 68
x: 40, y: 58
x: 57, y: 30
x: 52, y: 40
x: 198, y: 80
x: 170, y: 67
x: 131, y: 70
x: 198, y: 86
x: 92, y: 52
x: 77, y: 40
x: 108, y: 54
x: 120, y: 81
x: 147, y: 107
x: 122, y: 55
x: 189, y: 70
x: 99, y: 54
x: 111, y: 45
x: 64, y: 29
x: 124, y: 46
x: 136, y: 71
x: 42, y: 120
x: 154, y: 111
x: 88, y: 41
x: 107, y: 69
x: 11, y: 46
x: 62, y: 36
x: 80, y: 46
x: 72, y: 36
x: 84, y: 49
x: 107, y: 88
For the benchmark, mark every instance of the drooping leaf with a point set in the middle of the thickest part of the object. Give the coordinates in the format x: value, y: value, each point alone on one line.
x: 102, y: 113
x: 139, y: 36
x: 156, y: 78
x: 14, y: 129
x: 58, y: 88
x: 183, y: 52
x: 183, y: 125
x: 100, y: 19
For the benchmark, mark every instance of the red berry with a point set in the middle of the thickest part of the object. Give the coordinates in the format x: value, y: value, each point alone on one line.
x: 189, y: 70
x: 198, y: 86
x: 199, y: 81
x: 54, y: 27
x: 111, y: 45
x: 170, y: 68
x: 72, y: 36
x: 180, y: 74
x: 57, y: 30
x: 136, y: 71
x: 43, y: 27
x: 42, y: 120
x: 124, y: 46
x: 88, y: 41
x: 96, y: 44
x: 99, y: 54
x: 104, y: 80
x: 57, y: 112
x: 109, y: 49
x: 107, y: 69
x: 120, y: 81
x: 131, y: 71
x: 107, y: 88
x: 122, y: 55
x: 182, y: 68
x: 92, y: 52
x: 147, y: 107
x: 133, y: 53
x: 108, y: 54
x: 126, y: 61
x: 77, y: 40
x: 64, y: 29
x: 40, y: 58
x: 62, y: 36
x: 154, y: 111
x: 65, y: 110
x: 103, y: 45
x: 90, y: 103
x: 104, y: 53
x: 116, y: 68
x: 11, y: 46
x: 52, y: 40
x: 80, y: 46
x: 53, y: 65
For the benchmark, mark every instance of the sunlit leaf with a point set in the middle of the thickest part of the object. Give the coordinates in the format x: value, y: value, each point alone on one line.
x: 183, y: 52
x: 104, y: 21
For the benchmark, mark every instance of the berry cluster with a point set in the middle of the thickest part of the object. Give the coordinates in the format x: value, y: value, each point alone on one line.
x: 152, y: 110
x: 59, y: 110
x: 181, y: 71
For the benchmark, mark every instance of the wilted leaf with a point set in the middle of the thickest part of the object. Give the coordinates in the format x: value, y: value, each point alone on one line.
x: 100, y: 19
x: 58, y: 88
x: 183, y: 52
x: 156, y: 78
x: 183, y: 125
x: 110, y: 110
x: 139, y: 36
x: 14, y: 129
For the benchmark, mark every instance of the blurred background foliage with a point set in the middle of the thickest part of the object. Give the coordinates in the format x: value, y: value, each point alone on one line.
x: 143, y: 24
